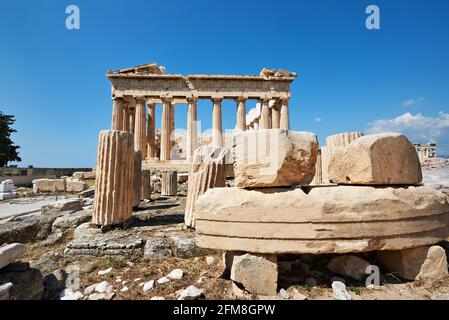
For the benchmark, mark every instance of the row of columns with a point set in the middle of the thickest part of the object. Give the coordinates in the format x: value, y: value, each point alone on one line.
x: 131, y: 115
x: 274, y: 117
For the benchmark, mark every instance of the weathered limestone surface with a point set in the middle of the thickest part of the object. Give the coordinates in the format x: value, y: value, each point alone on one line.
x: 416, y: 263
x: 385, y: 158
x: 349, y: 266
x: 207, y: 170
x: 10, y: 253
x: 114, y: 180
x: 332, y: 219
x: 169, y: 185
x: 335, y: 144
x: 274, y: 158
x: 73, y: 185
x: 318, y: 178
x: 48, y: 185
x: 257, y: 273
x: 137, y: 179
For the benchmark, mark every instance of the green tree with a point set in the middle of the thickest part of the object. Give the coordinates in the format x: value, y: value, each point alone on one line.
x: 8, y: 151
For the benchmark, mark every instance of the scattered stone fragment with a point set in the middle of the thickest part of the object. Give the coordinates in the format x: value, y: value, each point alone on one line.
x: 190, y: 293
x: 62, y: 206
x: 72, y: 220
x: 283, y: 294
x: 101, y: 296
x: 257, y: 273
x: 10, y: 253
x: 163, y: 280
x: 124, y: 289
x: 339, y: 291
x: 53, y: 238
x: 106, y: 271
x: 54, y: 283
x: 157, y: 298
x: 176, y: 274
x: 210, y: 260
x: 68, y: 294
x: 101, y: 287
x: 4, y: 291
x: 48, y: 185
x: 148, y: 286
x: 349, y: 266
x: 296, y: 295
x: 90, y: 289
x: 137, y: 279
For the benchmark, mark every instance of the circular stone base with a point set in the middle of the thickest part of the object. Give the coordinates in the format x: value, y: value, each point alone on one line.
x: 331, y: 219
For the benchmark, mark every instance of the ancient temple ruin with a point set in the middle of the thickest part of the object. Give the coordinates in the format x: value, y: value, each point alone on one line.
x: 138, y: 89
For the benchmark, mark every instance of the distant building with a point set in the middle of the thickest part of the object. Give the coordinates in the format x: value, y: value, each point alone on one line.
x: 426, y: 151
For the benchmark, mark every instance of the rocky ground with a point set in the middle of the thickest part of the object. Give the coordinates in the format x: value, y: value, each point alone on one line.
x: 156, y: 257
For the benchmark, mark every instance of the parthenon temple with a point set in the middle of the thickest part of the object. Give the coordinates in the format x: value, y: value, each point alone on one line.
x: 137, y: 91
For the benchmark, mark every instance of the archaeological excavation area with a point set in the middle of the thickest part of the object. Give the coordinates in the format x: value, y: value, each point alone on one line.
x: 263, y: 213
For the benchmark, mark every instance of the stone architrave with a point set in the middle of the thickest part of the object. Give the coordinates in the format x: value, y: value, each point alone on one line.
x: 169, y: 183
x: 324, y: 219
x: 114, y: 178
x: 378, y: 159
x: 137, y: 180
x: 335, y: 144
x: 207, y: 170
x: 274, y: 158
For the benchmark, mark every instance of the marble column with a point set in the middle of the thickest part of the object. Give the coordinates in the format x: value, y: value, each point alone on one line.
x: 117, y: 114
x: 126, y: 114
x: 172, y: 130
x: 165, y: 130
x: 114, y: 178
x: 140, y: 127
x: 151, y: 131
x: 241, y: 115
x: 217, y: 131
x: 191, y: 128
x: 275, y: 117
x: 132, y: 117
x: 265, y: 115
x: 285, y: 119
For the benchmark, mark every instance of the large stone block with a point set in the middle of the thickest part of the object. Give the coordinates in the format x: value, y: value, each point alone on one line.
x: 417, y: 263
x: 48, y: 185
x: 10, y: 253
x: 385, y: 158
x: 208, y: 170
x: 257, y: 273
x: 335, y: 144
x: 114, y: 182
x: 73, y: 185
x: 331, y: 219
x: 274, y: 158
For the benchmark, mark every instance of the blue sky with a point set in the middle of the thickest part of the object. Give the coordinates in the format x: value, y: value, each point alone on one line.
x: 349, y: 78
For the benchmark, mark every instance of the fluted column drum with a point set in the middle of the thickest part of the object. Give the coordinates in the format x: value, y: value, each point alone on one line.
x: 114, y: 178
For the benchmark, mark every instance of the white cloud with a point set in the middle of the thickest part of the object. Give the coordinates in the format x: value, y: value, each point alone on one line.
x: 318, y: 119
x: 418, y: 128
x: 411, y: 102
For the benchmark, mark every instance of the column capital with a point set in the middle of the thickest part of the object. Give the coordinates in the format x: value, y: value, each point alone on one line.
x: 217, y: 99
x: 191, y: 100
x: 167, y: 99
